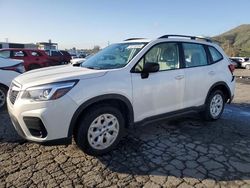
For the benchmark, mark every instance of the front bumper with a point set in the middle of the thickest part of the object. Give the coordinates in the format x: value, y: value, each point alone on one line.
x: 51, y: 118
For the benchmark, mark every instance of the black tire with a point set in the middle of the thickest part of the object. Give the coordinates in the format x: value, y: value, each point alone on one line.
x: 81, y: 134
x: 3, y: 96
x: 34, y: 66
x: 207, y: 114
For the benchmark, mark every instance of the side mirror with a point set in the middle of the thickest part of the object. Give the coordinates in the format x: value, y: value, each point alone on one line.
x: 149, y: 68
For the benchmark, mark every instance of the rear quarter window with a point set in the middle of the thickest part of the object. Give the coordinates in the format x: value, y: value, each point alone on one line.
x: 215, y: 54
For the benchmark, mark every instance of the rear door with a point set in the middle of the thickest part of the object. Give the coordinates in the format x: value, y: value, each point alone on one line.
x: 162, y: 91
x: 36, y: 57
x: 198, y: 74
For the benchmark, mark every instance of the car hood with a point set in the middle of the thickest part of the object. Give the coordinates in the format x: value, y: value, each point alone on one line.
x: 56, y: 74
x: 5, y: 62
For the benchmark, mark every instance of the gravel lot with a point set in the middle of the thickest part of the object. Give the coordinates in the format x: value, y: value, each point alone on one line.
x: 185, y: 152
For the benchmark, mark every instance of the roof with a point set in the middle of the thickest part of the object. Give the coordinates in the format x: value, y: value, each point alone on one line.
x: 24, y: 49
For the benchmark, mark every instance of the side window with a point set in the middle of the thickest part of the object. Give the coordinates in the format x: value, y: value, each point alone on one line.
x: 195, y: 55
x: 56, y: 53
x: 34, y: 53
x: 165, y: 54
x: 18, y: 54
x: 5, y: 54
x: 216, y: 55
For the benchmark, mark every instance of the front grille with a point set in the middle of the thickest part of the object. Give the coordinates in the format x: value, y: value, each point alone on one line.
x: 13, y: 93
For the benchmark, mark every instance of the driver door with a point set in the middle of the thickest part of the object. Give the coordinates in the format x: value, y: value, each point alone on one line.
x: 161, y: 92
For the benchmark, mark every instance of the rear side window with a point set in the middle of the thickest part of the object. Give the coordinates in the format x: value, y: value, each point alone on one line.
x: 56, y: 53
x: 195, y: 55
x: 34, y: 53
x: 216, y: 55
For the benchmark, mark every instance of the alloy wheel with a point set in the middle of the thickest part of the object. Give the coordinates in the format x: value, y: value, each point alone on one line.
x: 216, y: 105
x: 103, y: 131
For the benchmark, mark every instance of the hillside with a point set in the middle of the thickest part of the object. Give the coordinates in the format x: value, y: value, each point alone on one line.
x: 236, y: 42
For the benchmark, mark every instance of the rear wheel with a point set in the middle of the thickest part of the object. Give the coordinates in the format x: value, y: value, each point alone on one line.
x: 214, y: 106
x: 3, y: 94
x: 100, y: 130
x: 248, y: 67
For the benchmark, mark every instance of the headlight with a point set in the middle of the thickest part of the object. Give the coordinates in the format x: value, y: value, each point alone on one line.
x: 49, y: 91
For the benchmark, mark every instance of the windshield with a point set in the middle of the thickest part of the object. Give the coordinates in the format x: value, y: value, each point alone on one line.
x: 113, y: 56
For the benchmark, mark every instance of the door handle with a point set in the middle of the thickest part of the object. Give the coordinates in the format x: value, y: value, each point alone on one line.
x: 212, y: 73
x: 179, y: 77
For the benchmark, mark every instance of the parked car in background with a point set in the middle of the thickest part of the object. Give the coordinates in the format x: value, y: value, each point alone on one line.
x: 77, y: 61
x: 240, y: 60
x: 9, y: 69
x: 59, y: 56
x: 32, y: 58
x: 66, y: 56
x: 246, y: 65
x: 128, y: 83
x: 235, y: 62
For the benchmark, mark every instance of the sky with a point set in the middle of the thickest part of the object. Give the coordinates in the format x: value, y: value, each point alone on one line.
x: 85, y: 23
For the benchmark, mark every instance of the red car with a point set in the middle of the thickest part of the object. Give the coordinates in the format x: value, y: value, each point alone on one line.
x: 60, y: 56
x: 32, y: 58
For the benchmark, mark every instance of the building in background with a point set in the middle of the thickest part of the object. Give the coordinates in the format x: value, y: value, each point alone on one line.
x: 17, y: 45
x: 47, y: 45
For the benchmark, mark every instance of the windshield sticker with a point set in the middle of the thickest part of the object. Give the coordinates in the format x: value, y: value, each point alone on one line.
x: 135, y: 46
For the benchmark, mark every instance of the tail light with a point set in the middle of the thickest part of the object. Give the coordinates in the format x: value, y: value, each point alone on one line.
x: 18, y: 68
x: 231, y: 68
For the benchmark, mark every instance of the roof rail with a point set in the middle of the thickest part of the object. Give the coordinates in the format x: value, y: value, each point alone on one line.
x: 186, y: 36
x: 133, y: 39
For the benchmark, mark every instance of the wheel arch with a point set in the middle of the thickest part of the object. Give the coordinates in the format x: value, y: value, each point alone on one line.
x: 116, y: 99
x: 3, y: 85
x: 220, y: 86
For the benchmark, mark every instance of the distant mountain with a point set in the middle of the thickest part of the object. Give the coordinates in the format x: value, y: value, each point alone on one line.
x: 236, y: 42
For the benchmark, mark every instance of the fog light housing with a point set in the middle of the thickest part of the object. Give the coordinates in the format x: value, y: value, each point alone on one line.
x: 35, y: 126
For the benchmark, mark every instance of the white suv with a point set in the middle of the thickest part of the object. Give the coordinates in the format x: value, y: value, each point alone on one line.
x: 128, y: 83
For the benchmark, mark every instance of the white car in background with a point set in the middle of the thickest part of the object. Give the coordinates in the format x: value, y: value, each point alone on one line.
x: 77, y: 61
x: 9, y: 69
x: 246, y: 65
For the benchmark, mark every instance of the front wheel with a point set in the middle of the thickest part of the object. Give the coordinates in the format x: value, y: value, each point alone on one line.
x: 100, y: 130
x: 214, y: 106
